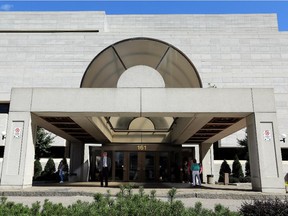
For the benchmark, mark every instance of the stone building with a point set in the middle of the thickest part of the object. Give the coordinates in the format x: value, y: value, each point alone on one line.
x: 151, y: 90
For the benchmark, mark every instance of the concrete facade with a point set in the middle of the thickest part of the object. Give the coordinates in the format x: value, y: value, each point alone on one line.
x: 235, y: 53
x: 229, y: 51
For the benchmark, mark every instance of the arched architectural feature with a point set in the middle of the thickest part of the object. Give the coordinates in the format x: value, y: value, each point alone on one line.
x: 124, y: 123
x: 141, y: 76
x: 173, y: 65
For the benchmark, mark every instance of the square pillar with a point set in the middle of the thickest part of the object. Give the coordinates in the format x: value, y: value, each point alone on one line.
x: 265, y: 153
x: 77, y: 159
x: 207, y: 159
x: 18, y: 161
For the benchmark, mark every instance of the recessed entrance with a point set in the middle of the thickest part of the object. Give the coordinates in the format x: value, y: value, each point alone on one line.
x: 142, y: 165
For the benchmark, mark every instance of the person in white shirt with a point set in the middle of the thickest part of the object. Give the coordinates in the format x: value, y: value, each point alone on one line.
x: 104, y: 168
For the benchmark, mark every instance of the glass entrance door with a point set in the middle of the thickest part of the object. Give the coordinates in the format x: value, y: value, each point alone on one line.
x: 133, y: 166
x: 150, y: 171
x: 119, y: 166
x: 141, y: 166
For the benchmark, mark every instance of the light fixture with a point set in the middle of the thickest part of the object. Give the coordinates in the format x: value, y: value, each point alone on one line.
x: 3, y: 135
x: 283, y: 138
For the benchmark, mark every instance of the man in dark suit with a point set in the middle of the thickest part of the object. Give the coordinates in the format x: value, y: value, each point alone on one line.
x: 104, y: 168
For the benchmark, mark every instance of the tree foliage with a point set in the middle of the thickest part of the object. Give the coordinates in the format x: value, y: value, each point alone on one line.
x: 245, y: 151
x: 225, y: 168
x: 237, y: 171
x: 244, y: 143
x: 49, y: 168
x: 247, y: 168
x: 37, y: 168
x: 125, y: 203
x: 43, y: 141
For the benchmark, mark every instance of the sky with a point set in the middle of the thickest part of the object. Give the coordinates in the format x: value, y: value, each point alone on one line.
x: 156, y: 7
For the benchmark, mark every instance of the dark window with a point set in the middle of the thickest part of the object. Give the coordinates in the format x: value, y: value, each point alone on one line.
x: 1, y: 151
x: 56, y: 152
x: 227, y: 153
x: 4, y: 107
x: 284, y: 152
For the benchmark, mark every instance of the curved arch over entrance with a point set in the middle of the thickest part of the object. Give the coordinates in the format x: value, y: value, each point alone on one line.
x: 173, y: 65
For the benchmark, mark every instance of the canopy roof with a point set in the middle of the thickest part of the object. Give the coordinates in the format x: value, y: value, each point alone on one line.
x: 175, y: 68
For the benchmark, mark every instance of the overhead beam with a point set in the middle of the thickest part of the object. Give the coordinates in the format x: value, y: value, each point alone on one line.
x: 135, y: 102
x: 53, y: 129
x: 186, y: 127
x: 88, y: 125
x: 228, y: 131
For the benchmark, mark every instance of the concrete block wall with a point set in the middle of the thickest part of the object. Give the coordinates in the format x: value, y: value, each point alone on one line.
x: 77, y: 20
x: 3, y: 126
x: 229, y: 51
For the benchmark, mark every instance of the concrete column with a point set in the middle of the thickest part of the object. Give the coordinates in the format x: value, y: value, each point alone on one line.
x: 18, y: 163
x: 197, y: 152
x: 265, y: 153
x: 76, y: 159
x: 207, y: 159
x: 86, y: 162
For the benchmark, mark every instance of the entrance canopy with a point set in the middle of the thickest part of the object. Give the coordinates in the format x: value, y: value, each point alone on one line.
x: 140, y: 62
x: 107, y: 67
x: 193, y: 115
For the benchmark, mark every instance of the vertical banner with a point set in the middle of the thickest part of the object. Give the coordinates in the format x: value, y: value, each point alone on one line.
x: 15, y: 148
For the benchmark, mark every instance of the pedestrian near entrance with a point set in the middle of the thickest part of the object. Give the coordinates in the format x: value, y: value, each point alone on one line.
x: 195, y: 169
x: 104, y: 168
x: 62, y: 169
x: 185, y: 171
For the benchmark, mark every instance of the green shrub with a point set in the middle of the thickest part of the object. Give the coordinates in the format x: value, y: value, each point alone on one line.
x: 275, y: 207
x: 245, y: 179
x: 171, y: 193
x: 126, y: 203
x: 49, y: 168
x: 237, y: 171
x: 49, y: 172
x: 247, y: 168
x: 225, y: 168
x: 232, y: 179
x: 37, y: 168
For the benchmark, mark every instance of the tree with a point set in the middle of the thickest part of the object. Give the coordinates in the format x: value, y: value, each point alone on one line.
x: 225, y: 168
x: 49, y: 168
x: 237, y: 171
x: 37, y: 168
x: 245, y: 152
x: 244, y: 143
x: 43, y: 141
x: 247, y: 168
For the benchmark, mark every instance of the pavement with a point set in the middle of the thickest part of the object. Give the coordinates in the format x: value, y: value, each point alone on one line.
x: 231, y: 196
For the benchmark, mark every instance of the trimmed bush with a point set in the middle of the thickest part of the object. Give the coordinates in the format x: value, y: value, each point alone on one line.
x: 247, y: 168
x: 225, y: 168
x: 37, y: 168
x: 49, y: 168
x: 49, y: 173
x: 237, y: 171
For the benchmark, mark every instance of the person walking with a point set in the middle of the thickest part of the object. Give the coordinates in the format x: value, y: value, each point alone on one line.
x: 62, y: 169
x: 104, y: 168
x: 195, y: 169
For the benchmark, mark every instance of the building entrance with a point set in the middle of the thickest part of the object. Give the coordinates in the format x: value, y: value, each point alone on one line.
x: 141, y: 166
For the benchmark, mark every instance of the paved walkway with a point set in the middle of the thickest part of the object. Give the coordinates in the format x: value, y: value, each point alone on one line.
x: 231, y: 196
